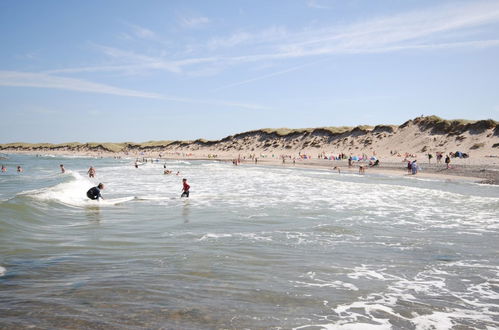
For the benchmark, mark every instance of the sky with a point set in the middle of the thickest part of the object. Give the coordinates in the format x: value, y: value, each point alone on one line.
x: 129, y: 70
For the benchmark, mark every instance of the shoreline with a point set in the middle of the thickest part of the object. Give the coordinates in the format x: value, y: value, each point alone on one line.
x: 459, y: 172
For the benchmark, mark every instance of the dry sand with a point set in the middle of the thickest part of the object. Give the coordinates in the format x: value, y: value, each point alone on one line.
x: 392, y: 145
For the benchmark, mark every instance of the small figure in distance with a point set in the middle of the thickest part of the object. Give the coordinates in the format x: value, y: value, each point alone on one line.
x: 447, y: 161
x: 185, y: 188
x: 337, y: 169
x: 414, y: 167
x: 4, y: 169
x: 136, y: 165
x: 19, y: 169
x: 94, y: 193
x: 91, y: 172
x: 362, y: 169
x: 63, y: 170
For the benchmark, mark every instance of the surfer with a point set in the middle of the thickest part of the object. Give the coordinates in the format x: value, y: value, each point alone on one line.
x: 91, y: 172
x: 185, y: 188
x: 94, y: 193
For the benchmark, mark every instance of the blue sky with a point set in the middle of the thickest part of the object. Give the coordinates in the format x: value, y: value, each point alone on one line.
x: 165, y: 70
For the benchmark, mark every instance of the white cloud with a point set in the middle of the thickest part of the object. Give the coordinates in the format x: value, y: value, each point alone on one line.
x: 142, y: 32
x: 437, y: 27
x: 193, y: 22
x: 42, y: 80
x: 317, y: 4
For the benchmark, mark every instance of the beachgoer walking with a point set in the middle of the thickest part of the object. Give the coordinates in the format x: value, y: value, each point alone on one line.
x: 447, y: 161
x: 185, y: 188
x: 414, y: 168
x: 94, y: 193
x: 91, y: 172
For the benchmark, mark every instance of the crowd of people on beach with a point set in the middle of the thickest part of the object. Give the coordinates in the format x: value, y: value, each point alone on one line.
x: 363, y: 161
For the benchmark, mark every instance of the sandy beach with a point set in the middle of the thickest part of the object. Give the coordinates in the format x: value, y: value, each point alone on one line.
x: 472, y: 148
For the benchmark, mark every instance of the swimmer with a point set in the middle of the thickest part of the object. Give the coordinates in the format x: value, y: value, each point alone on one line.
x: 19, y: 169
x: 91, y: 172
x: 94, y: 193
x: 63, y: 170
x: 185, y: 188
x: 4, y: 169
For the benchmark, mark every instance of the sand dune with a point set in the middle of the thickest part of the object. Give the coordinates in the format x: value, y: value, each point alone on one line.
x: 392, y: 144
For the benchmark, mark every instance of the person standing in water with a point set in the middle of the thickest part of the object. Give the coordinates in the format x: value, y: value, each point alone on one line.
x: 94, y: 193
x: 91, y: 172
x: 19, y: 169
x: 185, y: 188
x: 63, y: 170
x: 4, y: 169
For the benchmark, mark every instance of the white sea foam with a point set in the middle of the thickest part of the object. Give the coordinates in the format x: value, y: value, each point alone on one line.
x: 73, y: 193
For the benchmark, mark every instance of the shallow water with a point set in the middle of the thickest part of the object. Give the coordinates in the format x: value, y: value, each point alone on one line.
x: 253, y: 247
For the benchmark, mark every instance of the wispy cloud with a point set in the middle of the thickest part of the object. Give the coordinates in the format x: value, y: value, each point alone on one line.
x: 437, y: 27
x: 269, y: 75
x: 317, y: 4
x: 142, y: 32
x: 193, y: 22
x: 43, y: 80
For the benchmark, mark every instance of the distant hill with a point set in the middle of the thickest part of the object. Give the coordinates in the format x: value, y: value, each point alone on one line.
x: 420, y: 135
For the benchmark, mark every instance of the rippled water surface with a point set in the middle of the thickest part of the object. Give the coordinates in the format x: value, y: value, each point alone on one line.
x: 253, y: 247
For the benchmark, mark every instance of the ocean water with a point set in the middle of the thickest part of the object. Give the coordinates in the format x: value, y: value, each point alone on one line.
x: 254, y: 247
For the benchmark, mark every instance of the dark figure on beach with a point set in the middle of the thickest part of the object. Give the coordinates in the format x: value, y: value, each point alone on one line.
x: 414, y: 168
x: 447, y: 161
x: 63, y: 170
x: 409, y: 167
x: 94, y: 193
x: 185, y: 188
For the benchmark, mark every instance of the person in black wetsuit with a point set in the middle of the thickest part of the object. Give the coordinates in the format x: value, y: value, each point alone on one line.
x: 94, y: 193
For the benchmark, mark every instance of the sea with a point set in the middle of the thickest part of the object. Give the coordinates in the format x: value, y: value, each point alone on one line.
x: 253, y: 247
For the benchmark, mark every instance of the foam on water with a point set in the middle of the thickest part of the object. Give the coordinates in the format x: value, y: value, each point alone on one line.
x: 253, y: 247
x: 72, y: 193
